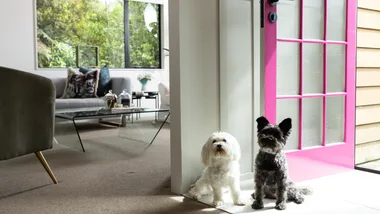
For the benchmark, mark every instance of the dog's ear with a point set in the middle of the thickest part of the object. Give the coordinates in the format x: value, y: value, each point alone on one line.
x: 286, y: 126
x: 236, y: 152
x: 205, y: 153
x: 261, y: 123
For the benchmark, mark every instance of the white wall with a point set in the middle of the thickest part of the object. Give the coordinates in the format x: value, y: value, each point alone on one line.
x: 215, y: 80
x: 194, y: 82
x: 17, y: 44
x: 17, y: 34
x: 236, y: 75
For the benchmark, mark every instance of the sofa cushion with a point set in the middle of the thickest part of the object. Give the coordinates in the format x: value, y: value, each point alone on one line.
x: 80, y: 85
x: 104, y: 84
x: 79, y: 103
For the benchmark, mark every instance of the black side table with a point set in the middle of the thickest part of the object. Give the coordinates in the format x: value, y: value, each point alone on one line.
x: 147, y: 95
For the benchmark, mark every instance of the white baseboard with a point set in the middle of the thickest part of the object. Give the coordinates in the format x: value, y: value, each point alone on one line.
x: 246, y: 176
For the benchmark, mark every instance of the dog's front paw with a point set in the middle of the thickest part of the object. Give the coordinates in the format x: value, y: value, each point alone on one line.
x: 299, y: 200
x: 194, y: 194
x: 253, y: 195
x: 280, y: 206
x: 256, y: 205
x: 240, y: 202
x: 217, y: 203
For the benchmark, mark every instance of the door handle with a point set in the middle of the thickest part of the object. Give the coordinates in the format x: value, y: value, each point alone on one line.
x: 273, y: 2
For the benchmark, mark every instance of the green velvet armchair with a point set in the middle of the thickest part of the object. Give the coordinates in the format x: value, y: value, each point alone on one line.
x: 26, y: 115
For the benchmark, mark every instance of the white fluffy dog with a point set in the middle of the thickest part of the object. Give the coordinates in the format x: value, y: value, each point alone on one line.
x: 220, y: 155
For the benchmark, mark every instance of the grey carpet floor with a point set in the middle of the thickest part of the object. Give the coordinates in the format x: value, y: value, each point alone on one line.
x: 114, y: 175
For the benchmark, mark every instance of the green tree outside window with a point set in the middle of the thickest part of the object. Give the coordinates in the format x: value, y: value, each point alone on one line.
x: 63, y: 25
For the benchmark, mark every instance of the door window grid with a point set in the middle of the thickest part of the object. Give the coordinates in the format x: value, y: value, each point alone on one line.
x: 325, y: 94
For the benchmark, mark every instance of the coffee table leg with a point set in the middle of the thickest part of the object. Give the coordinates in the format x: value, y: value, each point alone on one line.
x: 163, y: 123
x: 80, y: 139
x: 123, y: 121
x: 55, y: 140
x: 67, y: 134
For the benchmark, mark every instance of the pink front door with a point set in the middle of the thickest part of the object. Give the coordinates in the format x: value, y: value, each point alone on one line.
x: 310, y: 59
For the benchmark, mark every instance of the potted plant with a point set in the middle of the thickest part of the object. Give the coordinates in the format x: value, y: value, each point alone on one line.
x: 144, y: 79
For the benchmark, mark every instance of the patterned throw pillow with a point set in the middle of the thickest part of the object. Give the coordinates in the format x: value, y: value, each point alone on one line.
x: 80, y: 85
x: 104, y: 79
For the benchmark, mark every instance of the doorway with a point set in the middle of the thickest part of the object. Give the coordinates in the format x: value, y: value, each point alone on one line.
x: 309, y: 75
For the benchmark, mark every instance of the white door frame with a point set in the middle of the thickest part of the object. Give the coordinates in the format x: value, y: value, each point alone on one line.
x: 258, y: 71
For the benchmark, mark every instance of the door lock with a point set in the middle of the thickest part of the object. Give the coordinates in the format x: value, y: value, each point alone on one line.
x: 272, y: 16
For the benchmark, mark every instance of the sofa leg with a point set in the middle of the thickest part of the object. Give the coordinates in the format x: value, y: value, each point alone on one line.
x: 42, y: 159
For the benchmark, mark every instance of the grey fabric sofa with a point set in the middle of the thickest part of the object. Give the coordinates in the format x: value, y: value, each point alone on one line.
x: 26, y: 115
x: 118, y: 84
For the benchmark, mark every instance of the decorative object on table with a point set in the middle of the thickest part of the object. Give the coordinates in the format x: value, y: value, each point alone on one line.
x: 126, y: 109
x: 80, y: 85
x: 144, y: 79
x: 138, y: 94
x: 125, y: 98
x: 111, y: 99
x: 87, y: 56
x: 104, y: 83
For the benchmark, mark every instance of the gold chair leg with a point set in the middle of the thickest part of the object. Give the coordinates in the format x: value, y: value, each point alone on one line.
x: 42, y: 159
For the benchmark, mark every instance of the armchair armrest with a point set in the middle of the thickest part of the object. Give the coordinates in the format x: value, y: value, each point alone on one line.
x: 121, y: 83
x: 26, y: 113
x: 164, y: 93
x: 165, y: 99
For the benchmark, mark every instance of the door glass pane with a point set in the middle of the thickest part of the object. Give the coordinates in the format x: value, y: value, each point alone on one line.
x: 312, y: 122
x: 313, y: 13
x: 288, y: 27
x: 312, y: 68
x: 288, y: 68
x: 336, y: 65
x: 289, y: 108
x: 336, y: 20
x: 335, y: 112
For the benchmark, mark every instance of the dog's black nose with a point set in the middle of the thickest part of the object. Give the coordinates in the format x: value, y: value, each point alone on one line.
x: 219, y: 146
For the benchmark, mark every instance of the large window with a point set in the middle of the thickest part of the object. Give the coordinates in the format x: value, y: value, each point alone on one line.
x: 117, y: 33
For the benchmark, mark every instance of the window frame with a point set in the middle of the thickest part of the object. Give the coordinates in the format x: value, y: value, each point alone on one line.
x: 160, y: 35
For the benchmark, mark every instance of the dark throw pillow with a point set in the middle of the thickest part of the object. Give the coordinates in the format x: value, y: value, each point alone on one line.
x: 80, y: 85
x: 104, y: 84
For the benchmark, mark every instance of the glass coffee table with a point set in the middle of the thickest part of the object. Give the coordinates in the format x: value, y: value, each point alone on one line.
x: 67, y: 120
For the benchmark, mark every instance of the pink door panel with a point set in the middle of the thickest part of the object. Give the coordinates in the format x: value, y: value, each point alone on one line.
x: 310, y: 59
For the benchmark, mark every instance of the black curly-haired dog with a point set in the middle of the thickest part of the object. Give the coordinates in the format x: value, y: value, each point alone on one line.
x: 271, y: 174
